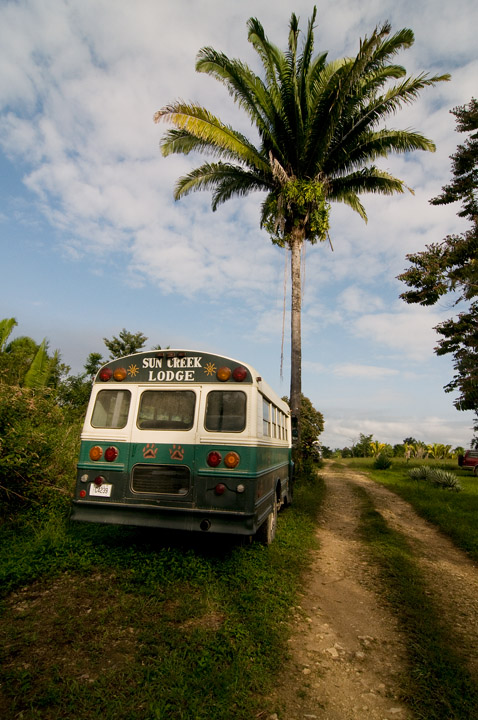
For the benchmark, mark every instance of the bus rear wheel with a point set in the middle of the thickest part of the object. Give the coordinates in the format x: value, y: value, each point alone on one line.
x: 267, y: 531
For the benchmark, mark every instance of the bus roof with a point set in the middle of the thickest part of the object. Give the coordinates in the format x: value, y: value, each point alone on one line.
x: 182, y: 366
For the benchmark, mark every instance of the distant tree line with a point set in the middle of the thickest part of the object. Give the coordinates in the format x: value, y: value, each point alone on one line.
x: 366, y: 446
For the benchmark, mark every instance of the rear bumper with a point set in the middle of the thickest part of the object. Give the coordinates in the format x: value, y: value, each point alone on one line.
x: 213, y: 521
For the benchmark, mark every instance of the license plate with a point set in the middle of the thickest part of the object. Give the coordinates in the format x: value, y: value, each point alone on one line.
x: 101, y: 490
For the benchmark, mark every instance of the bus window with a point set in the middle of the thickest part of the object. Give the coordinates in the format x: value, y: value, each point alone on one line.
x: 274, y: 422
x: 225, y: 411
x: 111, y: 409
x: 266, y: 424
x: 166, y: 410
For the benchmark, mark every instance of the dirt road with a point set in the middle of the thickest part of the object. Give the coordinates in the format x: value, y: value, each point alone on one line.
x: 347, y: 653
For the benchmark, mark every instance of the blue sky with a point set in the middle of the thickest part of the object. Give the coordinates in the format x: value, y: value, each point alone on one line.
x: 92, y: 241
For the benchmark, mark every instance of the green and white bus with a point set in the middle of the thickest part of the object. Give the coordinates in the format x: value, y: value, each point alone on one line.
x: 184, y: 440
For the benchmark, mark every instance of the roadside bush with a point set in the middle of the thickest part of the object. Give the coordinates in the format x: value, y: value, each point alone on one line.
x: 436, y: 476
x: 38, y: 449
x: 382, y: 462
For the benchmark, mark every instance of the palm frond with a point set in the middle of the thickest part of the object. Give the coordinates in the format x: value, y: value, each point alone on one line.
x: 271, y: 57
x: 207, y: 133
x: 6, y: 327
x: 39, y: 371
x: 370, y: 146
x: 216, y: 177
x: 366, y: 180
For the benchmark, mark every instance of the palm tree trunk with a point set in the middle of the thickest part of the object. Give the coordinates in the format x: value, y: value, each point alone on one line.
x: 296, y: 241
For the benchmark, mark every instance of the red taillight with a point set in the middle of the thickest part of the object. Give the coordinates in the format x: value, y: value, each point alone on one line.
x: 106, y: 374
x: 223, y: 374
x: 231, y: 460
x: 111, y: 454
x: 99, y: 480
x: 239, y: 374
x: 95, y: 453
x: 220, y: 489
x: 82, y: 493
x: 119, y: 374
x: 214, y: 458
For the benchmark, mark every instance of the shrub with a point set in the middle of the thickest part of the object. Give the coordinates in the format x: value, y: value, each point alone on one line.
x: 382, y: 462
x: 38, y: 448
x: 419, y: 473
x: 436, y: 476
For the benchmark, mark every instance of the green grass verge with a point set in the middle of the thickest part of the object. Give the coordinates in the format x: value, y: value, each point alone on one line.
x: 455, y: 513
x: 437, y: 685
x: 106, y: 622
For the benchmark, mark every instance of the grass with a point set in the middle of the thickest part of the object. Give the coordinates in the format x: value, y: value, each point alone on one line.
x: 437, y: 685
x: 454, y: 513
x: 116, y: 623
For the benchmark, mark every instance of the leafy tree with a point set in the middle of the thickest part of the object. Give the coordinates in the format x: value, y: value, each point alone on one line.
x: 312, y: 426
x: 363, y: 448
x: 93, y: 363
x: 16, y: 358
x: 377, y: 448
x: 451, y: 268
x: 319, y: 132
x: 74, y: 393
x: 24, y: 362
x: 126, y: 344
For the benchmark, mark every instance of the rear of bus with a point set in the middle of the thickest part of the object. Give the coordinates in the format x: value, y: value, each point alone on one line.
x: 176, y: 440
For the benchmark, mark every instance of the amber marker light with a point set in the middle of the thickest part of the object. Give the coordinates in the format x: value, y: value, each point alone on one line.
x: 119, y: 374
x: 95, y: 453
x: 223, y: 374
x: 231, y: 460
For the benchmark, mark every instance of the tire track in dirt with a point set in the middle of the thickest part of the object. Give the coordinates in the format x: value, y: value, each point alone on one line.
x: 347, y: 653
x: 451, y: 577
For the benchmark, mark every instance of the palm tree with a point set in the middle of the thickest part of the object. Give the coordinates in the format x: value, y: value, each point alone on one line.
x: 318, y: 138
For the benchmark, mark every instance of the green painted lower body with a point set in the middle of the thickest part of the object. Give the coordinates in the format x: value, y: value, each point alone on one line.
x: 249, y: 494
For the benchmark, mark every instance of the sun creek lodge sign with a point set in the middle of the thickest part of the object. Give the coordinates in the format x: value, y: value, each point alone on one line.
x: 173, y: 366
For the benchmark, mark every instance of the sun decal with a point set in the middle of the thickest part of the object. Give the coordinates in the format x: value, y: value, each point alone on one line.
x: 133, y: 370
x: 210, y: 368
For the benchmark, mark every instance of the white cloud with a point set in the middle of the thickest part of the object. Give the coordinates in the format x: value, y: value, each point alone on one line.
x: 409, y: 332
x: 372, y: 372
x: 357, y: 300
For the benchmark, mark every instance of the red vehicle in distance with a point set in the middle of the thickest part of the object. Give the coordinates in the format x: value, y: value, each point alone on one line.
x: 469, y: 461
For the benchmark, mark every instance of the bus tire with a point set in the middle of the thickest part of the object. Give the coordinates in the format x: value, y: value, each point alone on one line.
x: 267, y: 531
